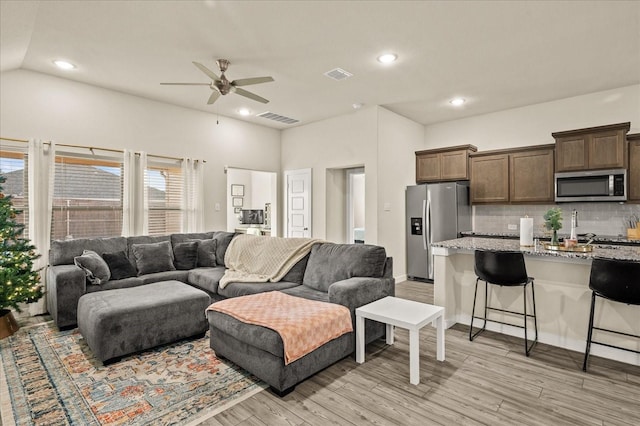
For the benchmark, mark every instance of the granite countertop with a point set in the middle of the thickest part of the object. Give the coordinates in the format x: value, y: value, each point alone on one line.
x: 607, y: 251
x: 611, y: 239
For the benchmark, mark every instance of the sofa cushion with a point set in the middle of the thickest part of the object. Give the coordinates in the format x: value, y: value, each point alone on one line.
x: 254, y: 335
x: 95, y: 268
x: 329, y: 263
x: 244, y: 289
x: 143, y: 239
x: 119, y: 265
x: 113, y: 284
x: 62, y: 252
x: 207, y: 253
x: 154, y: 257
x: 181, y: 238
x: 206, y: 278
x: 185, y: 255
x: 223, y: 239
x: 296, y: 274
x: 307, y: 293
x: 165, y: 276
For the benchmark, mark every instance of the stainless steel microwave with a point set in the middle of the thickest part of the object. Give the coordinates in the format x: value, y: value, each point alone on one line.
x: 591, y: 185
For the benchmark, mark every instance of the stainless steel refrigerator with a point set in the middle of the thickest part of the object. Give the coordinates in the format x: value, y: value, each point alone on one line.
x: 434, y: 212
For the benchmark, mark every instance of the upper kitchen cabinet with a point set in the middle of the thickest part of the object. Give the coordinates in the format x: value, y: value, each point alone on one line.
x: 603, y: 147
x: 444, y: 164
x: 516, y: 176
x: 489, y: 178
x: 531, y: 175
x: 634, y: 167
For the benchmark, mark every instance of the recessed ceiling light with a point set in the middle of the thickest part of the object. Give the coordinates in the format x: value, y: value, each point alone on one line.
x: 357, y: 105
x: 387, y: 58
x: 244, y: 111
x: 64, y: 64
x: 457, y: 101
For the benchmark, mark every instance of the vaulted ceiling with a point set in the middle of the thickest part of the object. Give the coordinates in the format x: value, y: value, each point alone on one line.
x: 496, y: 55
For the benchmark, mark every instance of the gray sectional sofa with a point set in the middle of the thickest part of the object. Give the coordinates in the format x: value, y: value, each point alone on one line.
x: 348, y: 274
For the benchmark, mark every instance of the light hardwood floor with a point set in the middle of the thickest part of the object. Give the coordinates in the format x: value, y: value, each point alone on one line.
x: 487, y: 381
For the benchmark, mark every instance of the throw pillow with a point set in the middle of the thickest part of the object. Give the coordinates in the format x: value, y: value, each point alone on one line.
x: 95, y: 268
x: 185, y: 255
x: 155, y: 257
x: 119, y: 265
x: 206, y: 253
x: 223, y: 239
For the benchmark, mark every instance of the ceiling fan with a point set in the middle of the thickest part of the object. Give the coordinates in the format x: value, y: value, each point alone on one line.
x: 222, y: 86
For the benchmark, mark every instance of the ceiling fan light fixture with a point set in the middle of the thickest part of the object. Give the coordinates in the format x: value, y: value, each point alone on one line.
x: 244, y: 111
x: 457, y: 101
x: 387, y: 58
x: 64, y: 65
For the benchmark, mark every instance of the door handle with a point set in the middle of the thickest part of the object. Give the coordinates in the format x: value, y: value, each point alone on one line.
x: 305, y: 229
x: 429, y: 238
x: 424, y: 224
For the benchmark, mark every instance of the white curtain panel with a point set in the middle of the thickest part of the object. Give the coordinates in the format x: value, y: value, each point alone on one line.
x: 129, y: 194
x: 142, y: 194
x: 192, y: 195
x: 41, y: 168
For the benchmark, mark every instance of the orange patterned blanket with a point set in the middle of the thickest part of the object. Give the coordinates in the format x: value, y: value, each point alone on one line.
x: 303, y: 325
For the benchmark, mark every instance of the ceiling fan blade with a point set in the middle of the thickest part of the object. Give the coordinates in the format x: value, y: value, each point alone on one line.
x: 249, y: 95
x: 185, y: 84
x: 249, y: 81
x: 206, y: 70
x: 214, y: 96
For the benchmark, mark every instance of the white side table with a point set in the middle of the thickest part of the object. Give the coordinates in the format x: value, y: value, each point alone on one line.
x: 405, y: 314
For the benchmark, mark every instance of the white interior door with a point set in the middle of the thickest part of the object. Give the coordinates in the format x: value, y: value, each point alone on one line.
x: 298, y: 208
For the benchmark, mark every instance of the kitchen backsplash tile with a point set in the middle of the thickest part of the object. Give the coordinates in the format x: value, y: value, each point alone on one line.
x: 597, y: 218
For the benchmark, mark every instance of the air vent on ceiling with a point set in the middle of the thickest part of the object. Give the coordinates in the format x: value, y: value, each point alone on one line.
x: 277, y: 117
x: 338, y: 74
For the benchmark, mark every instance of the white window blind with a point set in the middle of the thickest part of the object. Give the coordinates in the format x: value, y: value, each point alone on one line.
x: 87, y: 196
x: 164, y: 182
x: 13, y: 166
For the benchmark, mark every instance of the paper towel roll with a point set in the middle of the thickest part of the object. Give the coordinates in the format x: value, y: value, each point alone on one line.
x: 526, y: 231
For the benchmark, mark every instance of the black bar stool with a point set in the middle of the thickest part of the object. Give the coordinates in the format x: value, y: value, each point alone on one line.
x: 504, y: 269
x: 616, y: 280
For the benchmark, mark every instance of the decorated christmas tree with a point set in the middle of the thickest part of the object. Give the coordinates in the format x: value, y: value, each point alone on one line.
x: 19, y: 283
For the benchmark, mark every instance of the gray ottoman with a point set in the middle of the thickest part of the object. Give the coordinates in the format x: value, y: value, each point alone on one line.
x: 123, y: 321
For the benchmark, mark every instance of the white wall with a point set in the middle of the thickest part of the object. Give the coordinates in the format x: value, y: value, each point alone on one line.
x: 398, y: 139
x: 336, y: 143
x: 376, y: 138
x: 51, y: 108
x: 533, y: 124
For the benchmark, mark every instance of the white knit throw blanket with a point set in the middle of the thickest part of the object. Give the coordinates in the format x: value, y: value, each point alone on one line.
x: 253, y: 258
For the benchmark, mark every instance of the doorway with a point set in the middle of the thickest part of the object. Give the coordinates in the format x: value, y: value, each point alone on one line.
x: 252, y: 193
x: 355, y: 205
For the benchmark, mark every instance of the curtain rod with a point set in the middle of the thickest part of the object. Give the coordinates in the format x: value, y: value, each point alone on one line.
x: 91, y: 148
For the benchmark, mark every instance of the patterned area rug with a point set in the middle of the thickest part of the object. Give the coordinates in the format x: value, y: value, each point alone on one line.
x: 51, y: 377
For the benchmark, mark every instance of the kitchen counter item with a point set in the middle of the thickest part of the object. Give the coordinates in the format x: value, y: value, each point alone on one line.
x: 581, y: 248
x: 619, y: 252
x: 599, y: 239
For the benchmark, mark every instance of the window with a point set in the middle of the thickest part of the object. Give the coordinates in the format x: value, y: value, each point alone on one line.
x: 13, y: 166
x: 163, y: 184
x: 87, y: 197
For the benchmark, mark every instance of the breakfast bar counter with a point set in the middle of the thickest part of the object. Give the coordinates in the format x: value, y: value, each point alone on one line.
x: 562, y: 293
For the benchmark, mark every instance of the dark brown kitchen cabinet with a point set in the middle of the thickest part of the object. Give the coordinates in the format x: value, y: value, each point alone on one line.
x: 513, y: 176
x: 603, y: 147
x: 531, y: 176
x: 444, y: 164
x: 489, y: 179
x: 634, y: 167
